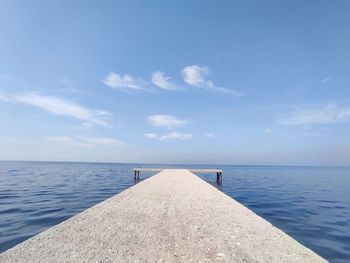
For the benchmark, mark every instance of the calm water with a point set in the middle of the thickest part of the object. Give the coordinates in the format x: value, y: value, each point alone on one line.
x: 312, y: 204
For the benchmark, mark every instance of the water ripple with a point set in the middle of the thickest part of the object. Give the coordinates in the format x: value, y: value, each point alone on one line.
x: 312, y: 204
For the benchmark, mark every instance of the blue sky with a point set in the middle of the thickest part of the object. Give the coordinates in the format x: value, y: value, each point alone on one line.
x: 218, y: 82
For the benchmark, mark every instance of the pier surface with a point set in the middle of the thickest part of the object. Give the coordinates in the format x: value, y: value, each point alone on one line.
x: 173, y: 216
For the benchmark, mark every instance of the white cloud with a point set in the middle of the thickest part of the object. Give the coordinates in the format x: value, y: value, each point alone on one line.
x: 68, y: 86
x: 103, y: 112
x: 325, y: 114
x: 267, y: 130
x: 162, y: 81
x: 169, y: 136
x: 63, y: 107
x: 101, y: 141
x: 84, y: 141
x: 327, y: 79
x: 210, y: 135
x: 125, y: 82
x: 195, y: 76
x: 212, y: 87
x: 176, y: 135
x: 168, y: 121
x: 151, y: 135
x: 60, y: 139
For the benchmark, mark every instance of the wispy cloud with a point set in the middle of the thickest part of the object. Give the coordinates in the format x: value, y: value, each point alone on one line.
x: 327, y: 79
x: 101, y: 141
x: 176, y: 135
x: 324, y: 114
x: 125, y: 82
x: 168, y: 121
x: 162, y: 81
x: 169, y: 136
x: 60, y: 139
x: 195, y: 76
x: 60, y: 106
x: 68, y: 86
x: 151, y: 135
x: 84, y: 141
x: 267, y: 130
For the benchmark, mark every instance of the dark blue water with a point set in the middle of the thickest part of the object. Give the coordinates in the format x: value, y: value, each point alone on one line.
x: 312, y: 204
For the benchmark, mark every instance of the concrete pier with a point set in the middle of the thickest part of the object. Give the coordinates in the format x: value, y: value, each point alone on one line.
x: 173, y: 216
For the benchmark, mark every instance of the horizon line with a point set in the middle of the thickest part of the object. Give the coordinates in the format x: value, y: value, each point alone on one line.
x: 181, y: 164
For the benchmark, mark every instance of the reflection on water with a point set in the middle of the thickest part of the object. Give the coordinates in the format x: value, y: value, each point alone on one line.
x: 312, y: 204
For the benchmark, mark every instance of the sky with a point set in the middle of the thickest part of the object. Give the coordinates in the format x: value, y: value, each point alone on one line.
x: 207, y: 82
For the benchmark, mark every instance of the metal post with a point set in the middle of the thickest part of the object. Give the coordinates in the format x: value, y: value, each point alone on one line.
x: 218, y: 176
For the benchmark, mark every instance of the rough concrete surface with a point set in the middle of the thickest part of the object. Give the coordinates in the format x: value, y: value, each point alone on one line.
x: 173, y: 216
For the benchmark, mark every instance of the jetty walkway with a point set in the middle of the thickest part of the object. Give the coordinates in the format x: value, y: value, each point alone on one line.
x: 173, y: 216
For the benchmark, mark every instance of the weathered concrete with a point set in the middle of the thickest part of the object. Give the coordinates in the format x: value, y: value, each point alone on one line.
x: 172, y: 217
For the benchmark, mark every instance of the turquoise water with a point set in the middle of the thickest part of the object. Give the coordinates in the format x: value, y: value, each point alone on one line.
x: 312, y: 204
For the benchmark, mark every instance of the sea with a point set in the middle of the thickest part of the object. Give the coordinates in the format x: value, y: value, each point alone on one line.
x: 311, y: 204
